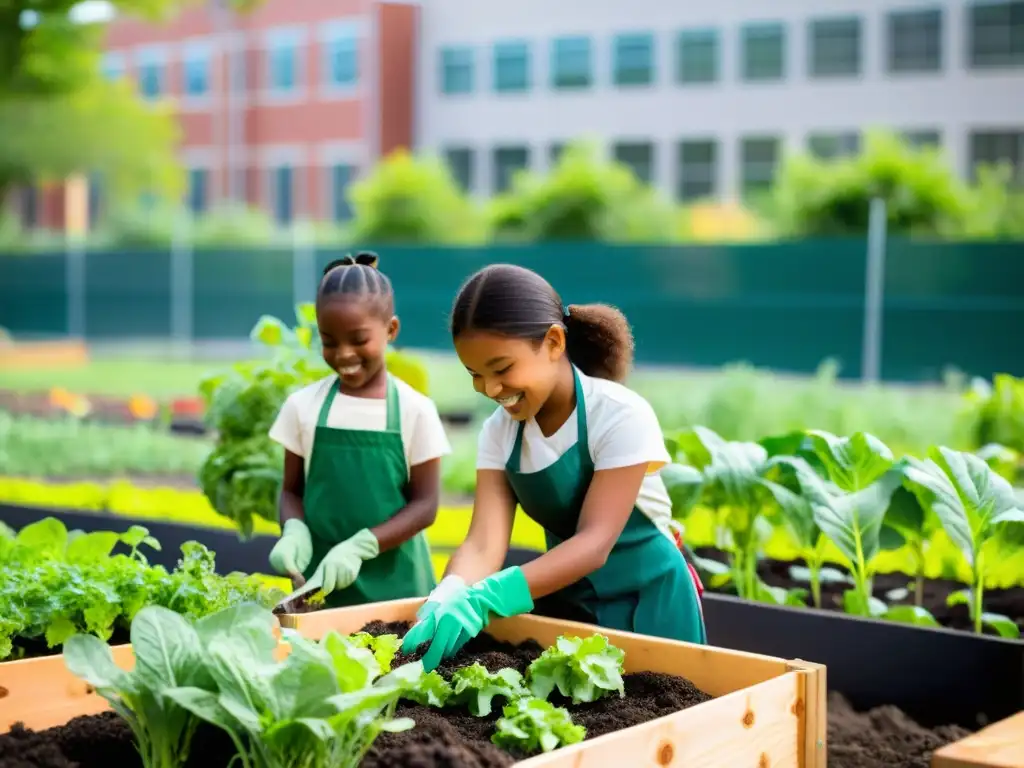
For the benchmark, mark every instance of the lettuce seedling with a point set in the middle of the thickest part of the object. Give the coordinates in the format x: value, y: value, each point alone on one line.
x: 428, y: 689
x: 384, y: 647
x: 169, y: 653
x: 475, y: 687
x: 530, y: 725
x: 582, y: 669
x: 976, y: 506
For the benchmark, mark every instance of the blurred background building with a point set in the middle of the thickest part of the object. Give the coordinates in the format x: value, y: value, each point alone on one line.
x: 285, y: 106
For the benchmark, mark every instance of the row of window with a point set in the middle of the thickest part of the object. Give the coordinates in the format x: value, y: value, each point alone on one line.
x: 697, y: 160
x: 281, y: 185
x: 913, y: 43
x: 283, y: 65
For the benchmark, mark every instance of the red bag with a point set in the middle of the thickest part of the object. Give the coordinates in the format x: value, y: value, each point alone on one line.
x: 693, y: 571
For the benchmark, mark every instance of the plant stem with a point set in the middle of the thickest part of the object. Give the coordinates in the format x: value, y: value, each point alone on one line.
x: 918, y: 550
x: 814, y: 566
x: 978, y: 591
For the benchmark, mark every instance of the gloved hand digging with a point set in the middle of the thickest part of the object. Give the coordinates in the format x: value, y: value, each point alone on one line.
x: 293, y: 551
x: 341, y: 565
x: 463, y: 615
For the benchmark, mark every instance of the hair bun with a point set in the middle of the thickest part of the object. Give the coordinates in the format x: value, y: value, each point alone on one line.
x: 366, y: 258
x: 363, y: 258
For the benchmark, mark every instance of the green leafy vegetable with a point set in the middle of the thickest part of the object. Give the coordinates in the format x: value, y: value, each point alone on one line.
x: 428, y: 689
x: 583, y: 669
x: 531, y: 725
x: 384, y: 647
x: 975, y: 506
x: 475, y: 687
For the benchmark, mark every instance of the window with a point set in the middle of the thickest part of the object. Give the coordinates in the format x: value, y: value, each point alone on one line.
x: 460, y: 162
x: 697, y: 165
x: 456, y: 70
x: 341, y: 177
x: 639, y: 156
x: 113, y: 66
x: 198, y: 189
x: 697, y: 55
x: 151, y: 73
x: 508, y: 160
x: 341, y: 55
x: 555, y: 152
x: 759, y: 157
x: 915, y: 41
x: 634, y: 59
x: 281, y: 193
x: 923, y: 138
x: 196, y: 64
x: 834, y: 47
x: 571, y: 64
x: 764, y: 52
x: 996, y: 34
x: 996, y: 147
x: 283, y: 62
x: 511, y: 67
x: 828, y: 146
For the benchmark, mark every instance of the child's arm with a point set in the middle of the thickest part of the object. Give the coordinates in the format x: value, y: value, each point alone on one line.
x: 292, y: 487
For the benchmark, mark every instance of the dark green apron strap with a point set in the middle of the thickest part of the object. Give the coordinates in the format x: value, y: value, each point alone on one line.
x: 582, y: 434
x: 325, y: 409
x: 394, y: 409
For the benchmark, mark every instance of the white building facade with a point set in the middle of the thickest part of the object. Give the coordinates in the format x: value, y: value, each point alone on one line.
x: 702, y: 98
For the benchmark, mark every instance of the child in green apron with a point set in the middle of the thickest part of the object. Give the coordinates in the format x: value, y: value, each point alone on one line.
x: 580, y: 453
x: 362, y: 454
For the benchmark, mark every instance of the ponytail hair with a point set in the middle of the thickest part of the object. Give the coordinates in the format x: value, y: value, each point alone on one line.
x: 517, y: 302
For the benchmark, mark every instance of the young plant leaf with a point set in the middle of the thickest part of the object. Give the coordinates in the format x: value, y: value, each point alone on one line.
x: 583, y: 670
x: 911, y: 614
x: 852, y: 463
x: 531, y: 725
x: 684, y: 485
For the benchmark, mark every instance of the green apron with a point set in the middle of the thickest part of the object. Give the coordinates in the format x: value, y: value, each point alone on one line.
x: 644, y: 587
x: 356, y: 480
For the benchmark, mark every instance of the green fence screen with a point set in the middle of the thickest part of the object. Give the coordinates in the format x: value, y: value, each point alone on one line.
x: 787, y: 306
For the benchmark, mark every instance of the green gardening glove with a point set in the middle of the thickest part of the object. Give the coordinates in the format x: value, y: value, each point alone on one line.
x: 294, y: 550
x: 340, y: 566
x: 464, y: 615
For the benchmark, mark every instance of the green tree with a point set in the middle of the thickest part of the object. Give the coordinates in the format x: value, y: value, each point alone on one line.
x: 59, y: 116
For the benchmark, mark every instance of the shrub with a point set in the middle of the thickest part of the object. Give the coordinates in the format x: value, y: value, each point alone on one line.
x: 411, y: 200
x: 816, y: 197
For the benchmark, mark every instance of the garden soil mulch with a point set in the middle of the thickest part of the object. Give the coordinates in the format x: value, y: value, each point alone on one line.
x: 884, y: 737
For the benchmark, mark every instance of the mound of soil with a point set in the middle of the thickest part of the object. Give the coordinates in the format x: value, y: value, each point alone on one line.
x: 881, y: 738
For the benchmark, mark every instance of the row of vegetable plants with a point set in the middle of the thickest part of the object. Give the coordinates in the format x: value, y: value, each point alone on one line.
x: 55, y: 583
x: 848, y: 499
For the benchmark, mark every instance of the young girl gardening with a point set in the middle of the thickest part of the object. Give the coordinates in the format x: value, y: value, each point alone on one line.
x: 580, y: 453
x: 362, y: 454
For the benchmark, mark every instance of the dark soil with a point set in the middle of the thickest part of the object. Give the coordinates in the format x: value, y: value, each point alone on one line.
x: 26, y: 648
x: 881, y: 738
x: 1008, y: 602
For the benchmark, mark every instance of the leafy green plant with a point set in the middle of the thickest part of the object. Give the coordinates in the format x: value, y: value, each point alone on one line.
x: 476, y: 688
x: 999, y: 409
x: 169, y: 653
x: 530, y: 725
x: 428, y: 689
x: 732, y: 486
x: 975, y: 507
x: 582, y: 669
x: 55, y: 583
x: 383, y: 647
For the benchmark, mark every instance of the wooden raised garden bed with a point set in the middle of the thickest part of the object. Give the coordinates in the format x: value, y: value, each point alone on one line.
x: 1001, y: 745
x: 753, y: 711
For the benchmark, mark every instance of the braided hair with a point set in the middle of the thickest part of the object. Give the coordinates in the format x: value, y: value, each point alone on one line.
x: 357, y: 276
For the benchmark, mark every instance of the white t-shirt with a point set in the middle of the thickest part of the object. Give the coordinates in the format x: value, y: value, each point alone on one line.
x: 423, y: 435
x: 622, y: 431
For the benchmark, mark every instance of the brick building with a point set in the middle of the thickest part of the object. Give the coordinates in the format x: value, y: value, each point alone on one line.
x: 281, y: 107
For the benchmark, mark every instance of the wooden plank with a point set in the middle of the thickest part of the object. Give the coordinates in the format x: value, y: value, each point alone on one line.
x: 1000, y: 745
x: 757, y: 727
x: 42, y: 693
x: 814, y: 725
